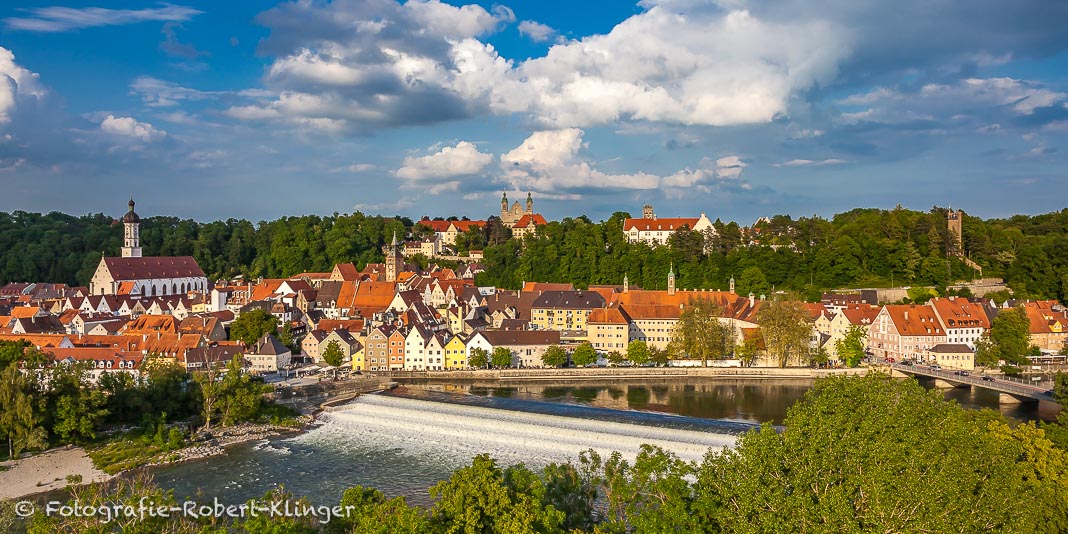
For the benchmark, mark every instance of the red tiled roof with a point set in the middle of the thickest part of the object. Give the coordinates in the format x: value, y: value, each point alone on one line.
x: 528, y: 220
x: 860, y: 314
x: 437, y: 226
x: 958, y: 312
x: 464, y: 226
x: 914, y: 320
x: 153, y: 267
x: 606, y: 316
x: 653, y: 225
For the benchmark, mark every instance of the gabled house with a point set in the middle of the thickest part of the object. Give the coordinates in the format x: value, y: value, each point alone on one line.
x: 905, y: 332
x: 268, y: 355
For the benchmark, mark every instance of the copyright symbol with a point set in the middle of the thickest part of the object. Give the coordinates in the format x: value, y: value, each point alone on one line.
x: 24, y: 508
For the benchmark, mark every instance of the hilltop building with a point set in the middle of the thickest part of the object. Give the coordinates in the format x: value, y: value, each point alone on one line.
x: 656, y: 231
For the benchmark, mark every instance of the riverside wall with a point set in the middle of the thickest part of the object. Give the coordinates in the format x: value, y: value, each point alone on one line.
x: 624, y: 373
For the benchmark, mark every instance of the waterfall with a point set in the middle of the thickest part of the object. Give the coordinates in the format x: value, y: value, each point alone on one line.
x: 451, y: 434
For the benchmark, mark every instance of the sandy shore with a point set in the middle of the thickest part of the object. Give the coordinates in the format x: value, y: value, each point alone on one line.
x: 47, y: 471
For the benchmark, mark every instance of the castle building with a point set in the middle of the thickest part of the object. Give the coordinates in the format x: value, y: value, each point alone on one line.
x: 132, y: 274
x: 657, y: 231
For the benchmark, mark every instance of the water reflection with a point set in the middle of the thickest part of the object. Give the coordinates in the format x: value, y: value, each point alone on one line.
x: 754, y: 401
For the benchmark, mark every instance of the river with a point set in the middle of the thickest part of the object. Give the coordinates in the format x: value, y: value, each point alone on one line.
x: 404, y: 441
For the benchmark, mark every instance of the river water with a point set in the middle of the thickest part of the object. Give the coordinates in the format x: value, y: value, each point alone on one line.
x: 404, y: 441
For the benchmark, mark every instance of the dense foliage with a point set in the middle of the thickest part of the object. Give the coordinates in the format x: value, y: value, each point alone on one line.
x: 58, y: 404
x: 908, y: 461
x: 859, y: 248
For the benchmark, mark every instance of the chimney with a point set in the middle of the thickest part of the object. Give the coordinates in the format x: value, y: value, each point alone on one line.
x: 906, y: 315
x: 752, y: 300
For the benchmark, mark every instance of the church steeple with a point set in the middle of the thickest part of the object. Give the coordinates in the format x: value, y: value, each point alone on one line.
x: 394, y: 260
x: 626, y: 284
x: 131, y: 242
x: 530, y: 204
x: 671, y: 279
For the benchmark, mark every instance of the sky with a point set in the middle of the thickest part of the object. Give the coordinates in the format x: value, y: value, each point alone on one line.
x: 733, y: 108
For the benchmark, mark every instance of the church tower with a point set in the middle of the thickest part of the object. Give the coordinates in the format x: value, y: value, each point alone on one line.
x: 671, y: 280
x: 504, y: 206
x: 626, y: 284
x: 131, y: 243
x: 530, y: 204
x: 394, y: 260
x: 732, y: 285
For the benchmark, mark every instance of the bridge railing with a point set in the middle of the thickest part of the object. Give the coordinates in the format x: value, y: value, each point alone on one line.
x: 1005, y: 384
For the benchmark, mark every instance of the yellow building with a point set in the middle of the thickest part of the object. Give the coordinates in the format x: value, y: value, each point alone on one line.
x: 564, y: 310
x: 358, y: 362
x: 456, y: 353
x: 609, y: 330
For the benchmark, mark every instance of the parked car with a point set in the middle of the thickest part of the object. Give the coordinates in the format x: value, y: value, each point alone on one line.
x: 961, y: 373
x: 988, y: 379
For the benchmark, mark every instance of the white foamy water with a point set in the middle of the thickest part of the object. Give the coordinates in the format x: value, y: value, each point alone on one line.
x: 451, y: 434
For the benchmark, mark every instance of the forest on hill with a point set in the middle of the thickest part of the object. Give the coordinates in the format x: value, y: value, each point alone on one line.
x: 858, y: 248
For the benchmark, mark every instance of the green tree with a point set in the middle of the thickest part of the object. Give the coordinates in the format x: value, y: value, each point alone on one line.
x: 501, y: 357
x: 638, y: 352
x: 333, y: 355
x: 1010, y: 334
x: 483, y: 498
x: 658, y: 356
x: 584, y: 355
x: 749, y: 351
x: 906, y: 463
x: 253, y: 325
x: 699, y: 334
x: 285, y: 336
x: 752, y: 280
x: 76, y: 407
x: 478, y: 358
x: 850, y: 348
x: 554, y: 356
x: 615, y: 357
x: 18, y: 417
x: 785, y: 331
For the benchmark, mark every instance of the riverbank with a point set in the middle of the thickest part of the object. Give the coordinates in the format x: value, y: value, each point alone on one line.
x: 626, y: 373
x: 48, y: 471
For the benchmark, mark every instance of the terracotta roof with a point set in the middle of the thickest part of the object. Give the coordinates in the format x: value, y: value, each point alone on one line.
x: 464, y: 226
x: 171, y: 344
x: 546, y: 286
x: 37, y: 340
x: 659, y: 224
x: 128, y: 343
x: 814, y: 309
x: 914, y: 320
x: 1044, y: 319
x: 530, y: 220
x: 23, y: 312
x: 437, y: 226
x: 351, y: 325
x: 607, y: 316
x: 958, y: 312
x: 150, y: 324
x: 732, y: 305
x: 347, y: 271
x: 125, y: 288
x: 860, y: 314
x: 98, y: 354
x: 153, y: 267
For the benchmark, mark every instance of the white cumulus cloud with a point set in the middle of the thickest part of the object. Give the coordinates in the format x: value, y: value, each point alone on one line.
x: 16, y: 83
x: 463, y: 159
x: 537, y: 31
x: 130, y: 127
x: 550, y: 161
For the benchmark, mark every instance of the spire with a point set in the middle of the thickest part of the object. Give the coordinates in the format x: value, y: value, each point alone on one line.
x: 131, y: 203
x: 671, y: 271
x: 671, y: 279
x: 394, y: 243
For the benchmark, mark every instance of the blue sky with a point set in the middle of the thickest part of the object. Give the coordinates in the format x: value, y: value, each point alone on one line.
x: 733, y: 108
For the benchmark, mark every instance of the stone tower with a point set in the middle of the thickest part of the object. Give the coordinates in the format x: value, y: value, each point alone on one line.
x: 732, y: 285
x: 394, y: 260
x: 530, y: 204
x: 626, y: 284
x: 954, y: 221
x: 647, y: 212
x: 131, y: 243
x: 671, y: 280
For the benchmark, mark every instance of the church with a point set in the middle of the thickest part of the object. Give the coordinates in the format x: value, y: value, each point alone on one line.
x: 510, y: 216
x: 132, y: 274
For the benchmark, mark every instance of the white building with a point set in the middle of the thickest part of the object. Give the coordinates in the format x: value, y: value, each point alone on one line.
x: 656, y: 231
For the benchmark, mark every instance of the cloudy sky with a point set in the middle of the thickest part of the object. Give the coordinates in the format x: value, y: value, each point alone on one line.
x: 734, y: 108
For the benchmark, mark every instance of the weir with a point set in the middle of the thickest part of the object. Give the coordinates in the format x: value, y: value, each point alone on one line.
x: 453, y: 433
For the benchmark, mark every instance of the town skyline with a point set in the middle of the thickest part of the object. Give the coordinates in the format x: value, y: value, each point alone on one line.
x: 734, y: 109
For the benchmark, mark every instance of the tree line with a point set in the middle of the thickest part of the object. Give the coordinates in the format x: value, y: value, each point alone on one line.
x: 858, y: 248
x: 909, y: 461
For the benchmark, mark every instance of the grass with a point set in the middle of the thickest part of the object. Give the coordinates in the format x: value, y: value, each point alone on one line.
x: 135, y: 449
